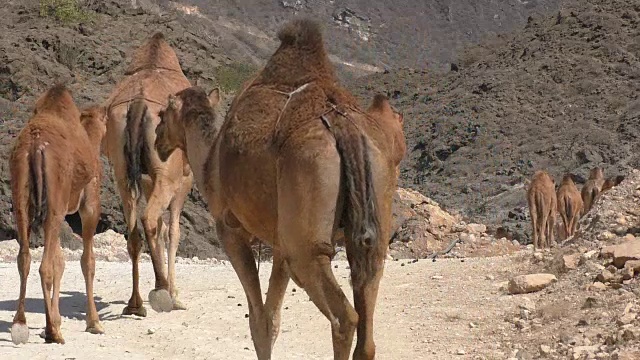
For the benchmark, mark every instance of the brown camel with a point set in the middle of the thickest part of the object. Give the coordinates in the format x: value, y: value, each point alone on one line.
x: 541, y: 196
x: 610, y: 182
x: 592, y: 188
x: 55, y: 171
x: 569, y: 205
x: 295, y: 160
x: 132, y: 109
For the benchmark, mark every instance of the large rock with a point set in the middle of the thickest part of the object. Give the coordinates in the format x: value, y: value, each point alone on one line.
x: 625, y: 252
x: 530, y: 283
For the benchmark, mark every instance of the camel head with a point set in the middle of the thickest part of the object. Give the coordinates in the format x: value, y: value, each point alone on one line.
x: 392, y: 121
x: 596, y: 173
x: 191, y: 106
x: 94, y: 121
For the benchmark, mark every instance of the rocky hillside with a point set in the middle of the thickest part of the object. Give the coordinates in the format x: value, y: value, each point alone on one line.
x: 562, y: 95
x: 88, y: 49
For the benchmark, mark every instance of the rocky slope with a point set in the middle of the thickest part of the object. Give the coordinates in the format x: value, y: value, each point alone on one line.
x: 560, y: 95
x: 216, y: 45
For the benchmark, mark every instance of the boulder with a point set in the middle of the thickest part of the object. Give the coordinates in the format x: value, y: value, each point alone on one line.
x: 622, y: 253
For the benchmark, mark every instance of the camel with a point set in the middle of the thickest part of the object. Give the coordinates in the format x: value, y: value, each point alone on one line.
x: 542, y: 199
x: 569, y: 205
x: 295, y: 160
x: 132, y: 109
x: 610, y: 182
x: 592, y: 188
x: 56, y: 170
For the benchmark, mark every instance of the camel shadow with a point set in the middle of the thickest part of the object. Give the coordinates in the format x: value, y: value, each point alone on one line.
x: 73, y: 305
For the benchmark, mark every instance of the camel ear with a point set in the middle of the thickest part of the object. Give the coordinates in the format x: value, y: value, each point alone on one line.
x: 214, y: 97
x: 401, y: 118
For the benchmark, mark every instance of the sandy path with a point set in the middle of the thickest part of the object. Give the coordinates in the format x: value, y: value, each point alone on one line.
x: 424, y: 312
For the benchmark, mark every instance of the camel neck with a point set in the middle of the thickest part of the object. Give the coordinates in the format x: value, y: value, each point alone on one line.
x: 198, y: 147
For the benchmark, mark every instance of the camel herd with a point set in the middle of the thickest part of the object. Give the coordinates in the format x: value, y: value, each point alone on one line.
x: 545, y: 203
x: 296, y: 162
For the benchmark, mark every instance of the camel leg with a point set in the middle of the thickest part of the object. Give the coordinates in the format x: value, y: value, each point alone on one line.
x: 90, y: 214
x: 542, y: 237
x: 51, y: 270
x: 235, y: 240
x: 552, y: 224
x: 175, y: 208
x: 306, y: 217
x: 19, y: 329
x: 275, y: 294
x: 534, y: 226
x: 161, y: 195
x: 134, y: 247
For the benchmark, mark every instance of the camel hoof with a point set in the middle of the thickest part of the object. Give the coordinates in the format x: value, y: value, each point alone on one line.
x: 95, y: 329
x: 52, y: 339
x: 19, y: 333
x: 139, y: 311
x: 160, y: 300
x: 178, y: 305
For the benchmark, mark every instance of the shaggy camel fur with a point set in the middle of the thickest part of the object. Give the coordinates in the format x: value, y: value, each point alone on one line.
x: 55, y: 171
x: 542, y: 199
x: 295, y: 160
x: 592, y: 188
x: 132, y: 110
x: 569, y: 205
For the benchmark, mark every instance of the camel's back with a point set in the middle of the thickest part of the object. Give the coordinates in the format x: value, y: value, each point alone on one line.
x: 154, y: 85
x: 66, y: 143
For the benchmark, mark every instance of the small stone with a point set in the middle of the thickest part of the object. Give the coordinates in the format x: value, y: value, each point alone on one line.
x: 626, y: 319
x: 605, y: 276
x: 473, y: 325
x: 530, y: 283
x: 527, y: 304
x: 621, y: 220
x: 515, y: 243
x: 151, y: 331
x: 545, y: 350
x: 490, y: 277
x: 606, y: 235
x: 598, y: 286
x: 629, y: 237
x: 477, y: 228
x: 461, y: 352
x: 538, y: 256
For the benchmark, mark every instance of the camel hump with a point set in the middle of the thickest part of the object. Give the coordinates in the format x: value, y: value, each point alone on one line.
x: 302, y: 33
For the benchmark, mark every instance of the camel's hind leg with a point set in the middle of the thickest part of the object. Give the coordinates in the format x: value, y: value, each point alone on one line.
x: 275, y: 294
x: 175, y: 208
x: 533, y: 213
x: 19, y: 329
x: 235, y: 240
x: 307, y: 195
x: 134, y: 247
x: 51, y: 270
x: 161, y: 196
x: 90, y: 214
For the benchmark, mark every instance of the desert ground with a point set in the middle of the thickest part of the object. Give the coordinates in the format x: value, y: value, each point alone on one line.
x: 416, y: 317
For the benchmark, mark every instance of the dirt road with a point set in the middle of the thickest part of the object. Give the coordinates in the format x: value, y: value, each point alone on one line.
x: 426, y: 310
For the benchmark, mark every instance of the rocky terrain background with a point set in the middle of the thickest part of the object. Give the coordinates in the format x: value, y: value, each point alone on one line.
x: 218, y: 45
x: 560, y: 94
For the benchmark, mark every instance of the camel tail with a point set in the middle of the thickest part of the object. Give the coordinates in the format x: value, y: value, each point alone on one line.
x: 363, y: 225
x: 38, y: 189
x: 133, y: 145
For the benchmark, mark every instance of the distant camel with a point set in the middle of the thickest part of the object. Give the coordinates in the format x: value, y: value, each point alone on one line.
x: 132, y: 110
x: 541, y: 196
x: 610, y: 182
x: 569, y: 205
x: 592, y: 188
x: 55, y: 171
x: 295, y: 160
